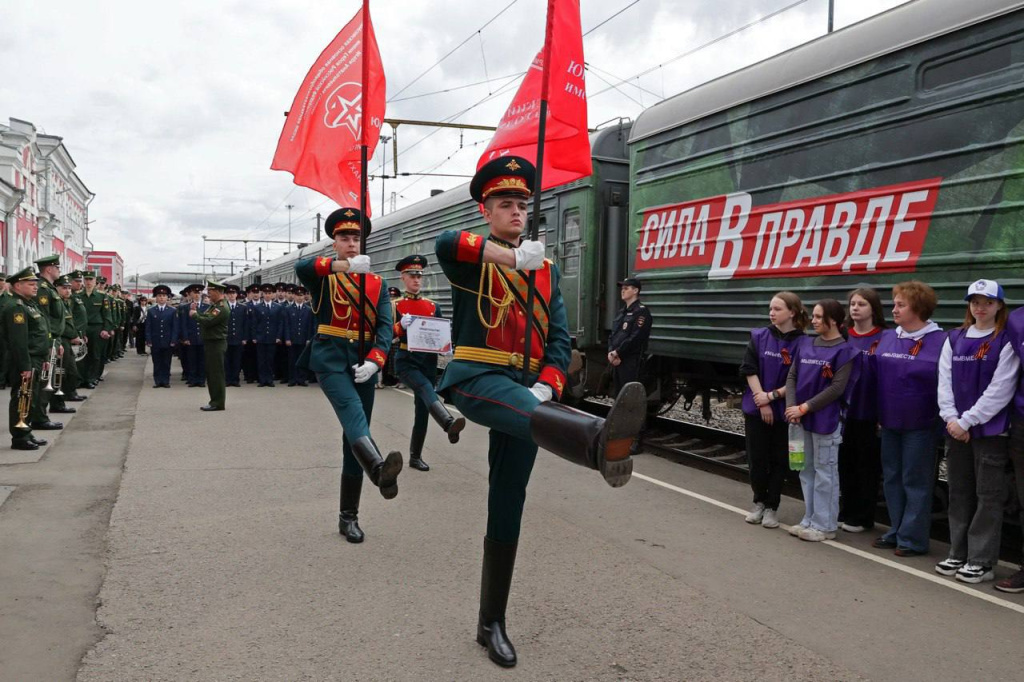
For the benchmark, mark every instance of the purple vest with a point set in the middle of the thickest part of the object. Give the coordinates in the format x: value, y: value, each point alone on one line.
x: 774, y: 356
x: 816, y: 366
x: 907, y: 373
x: 974, y: 364
x: 1015, y: 332
x: 863, y: 399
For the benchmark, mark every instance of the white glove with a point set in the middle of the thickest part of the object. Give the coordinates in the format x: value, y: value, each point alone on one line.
x: 406, y: 321
x: 529, y: 255
x: 358, y: 265
x: 542, y: 392
x: 364, y: 371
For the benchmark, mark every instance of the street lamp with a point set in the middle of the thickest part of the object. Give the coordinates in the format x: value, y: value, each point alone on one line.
x: 204, y: 256
x: 289, y: 207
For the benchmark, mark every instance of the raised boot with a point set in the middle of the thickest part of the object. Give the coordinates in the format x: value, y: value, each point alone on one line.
x: 416, y: 451
x: 601, y: 444
x: 348, y: 516
x: 452, y: 425
x: 383, y: 473
x: 499, y: 562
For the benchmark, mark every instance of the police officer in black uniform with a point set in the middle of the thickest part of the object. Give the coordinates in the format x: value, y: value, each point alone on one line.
x: 630, y: 331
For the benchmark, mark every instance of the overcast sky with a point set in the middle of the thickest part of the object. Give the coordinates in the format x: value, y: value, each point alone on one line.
x: 172, y: 110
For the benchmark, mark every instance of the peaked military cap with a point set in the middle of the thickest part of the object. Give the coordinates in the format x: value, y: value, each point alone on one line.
x: 77, y: 274
x: 219, y: 286
x: 52, y: 259
x: 301, y: 290
x: 161, y: 289
x: 393, y: 292
x: 268, y: 288
x: 26, y: 275
x: 506, y: 176
x: 88, y: 274
x: 344, y: 219
x: 413, y: 263
x: 62, y: 281
x: 251, y: 288
x: 233, y: 289
x: 101, y: 280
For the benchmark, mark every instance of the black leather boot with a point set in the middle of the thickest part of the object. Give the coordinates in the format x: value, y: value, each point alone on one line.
x: 452, y: 425
x: 382, y: 472
x: 416, y: 451
x: 499, y: 562
x: 348, y: 517
x: 592, y: 442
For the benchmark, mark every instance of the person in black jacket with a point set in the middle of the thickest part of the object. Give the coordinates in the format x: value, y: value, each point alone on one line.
x: 630, y: 331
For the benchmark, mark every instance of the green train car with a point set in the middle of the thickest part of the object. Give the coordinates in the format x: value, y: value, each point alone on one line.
x: 890, y: 150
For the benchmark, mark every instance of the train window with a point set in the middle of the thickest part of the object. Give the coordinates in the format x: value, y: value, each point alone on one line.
x: 570, y: 242
x: 991, y: 61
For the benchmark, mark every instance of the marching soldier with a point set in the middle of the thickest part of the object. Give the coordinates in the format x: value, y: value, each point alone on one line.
x: 213, y: 325
x: 489, y: 278
x: 28, y: 341
x: 627, y: 342
x: 50, y: 304
x: 161, y: 335
x: 266, y: 328
x: 69, y: 339
x: 344, y: 377
x: 418, y: 371
x: 236, y: 337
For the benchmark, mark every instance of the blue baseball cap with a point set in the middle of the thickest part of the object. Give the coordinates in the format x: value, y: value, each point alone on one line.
x: 987, y: 288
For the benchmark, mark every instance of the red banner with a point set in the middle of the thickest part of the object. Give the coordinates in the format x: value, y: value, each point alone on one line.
x: 869, y: 231
x: 567, y: 144
x: 320, y: 143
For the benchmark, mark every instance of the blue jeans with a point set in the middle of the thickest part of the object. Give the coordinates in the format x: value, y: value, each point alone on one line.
x: 908, y: 474
x: 820, y: 480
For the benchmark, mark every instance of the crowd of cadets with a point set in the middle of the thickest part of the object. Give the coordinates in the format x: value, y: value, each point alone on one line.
x: 45, y: 315
x: 268, y: 329
x: 874, y: 401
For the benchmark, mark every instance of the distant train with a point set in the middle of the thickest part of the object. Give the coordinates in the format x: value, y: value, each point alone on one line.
x: 889, y: 150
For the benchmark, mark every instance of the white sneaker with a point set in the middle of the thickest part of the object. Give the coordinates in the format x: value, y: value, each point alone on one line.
x: 852, y: 529
x: 949, y: 566
x: 756, y: 514
x: 815, y: 535
x: 771, y: 518
x: 797, y: 529
x: 975, y: 573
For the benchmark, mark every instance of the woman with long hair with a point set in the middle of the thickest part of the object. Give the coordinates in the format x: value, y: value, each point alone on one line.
x: 765, y: 366
x: 860, y: 465
x: 977, y: 379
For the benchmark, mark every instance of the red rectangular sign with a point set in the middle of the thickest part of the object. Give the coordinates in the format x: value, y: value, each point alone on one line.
x: 868, y: 231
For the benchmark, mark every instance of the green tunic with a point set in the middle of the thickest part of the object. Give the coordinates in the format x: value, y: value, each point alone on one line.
x: 213, y: 327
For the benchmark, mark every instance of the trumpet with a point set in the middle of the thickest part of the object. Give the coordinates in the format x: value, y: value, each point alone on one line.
x: 49, y: 367
x: 58, y: 375
x: 25, y: 400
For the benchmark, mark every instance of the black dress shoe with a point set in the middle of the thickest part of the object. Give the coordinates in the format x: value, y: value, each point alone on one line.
x: 211, y: 408
x: 91, y: 385
x: 23, y: 445
x: 75, y: 398
x: 303, y: 383
x: 63, y: 410
x: 47, y: 426
x: 418, y: 464
x: 38, y: 441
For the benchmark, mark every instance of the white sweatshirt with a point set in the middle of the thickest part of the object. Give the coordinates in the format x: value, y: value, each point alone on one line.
x: 996, y: 396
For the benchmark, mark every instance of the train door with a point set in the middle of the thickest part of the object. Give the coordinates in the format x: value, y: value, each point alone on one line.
x: 568, y: 255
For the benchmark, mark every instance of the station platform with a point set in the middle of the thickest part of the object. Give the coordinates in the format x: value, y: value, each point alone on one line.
x: 213, y: 554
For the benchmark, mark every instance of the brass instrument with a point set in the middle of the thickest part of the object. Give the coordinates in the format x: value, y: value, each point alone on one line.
x: 58, y: 375
x: 81, y: 350
x: 49, y: 367
x: 25, y: 400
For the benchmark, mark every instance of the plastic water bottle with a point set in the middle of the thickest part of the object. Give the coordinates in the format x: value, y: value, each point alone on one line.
x: 796, y: 447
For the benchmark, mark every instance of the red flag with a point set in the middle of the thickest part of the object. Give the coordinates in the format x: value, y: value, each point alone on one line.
x: 567, y: 143
x: 320, y: 143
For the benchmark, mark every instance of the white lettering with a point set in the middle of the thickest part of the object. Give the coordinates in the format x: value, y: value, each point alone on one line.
x: 789, y: 234
x: 730, y: 235
x: 647, y: 248
x: 839, y: 232
x: 700, y: 233
x: 810, y: 246
x: 901, y: 225
x: 773, y: 221
x: 876, y: 228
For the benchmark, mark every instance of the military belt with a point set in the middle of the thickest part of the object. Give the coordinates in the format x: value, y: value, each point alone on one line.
x: 489, y: 356
x: 350, y: 334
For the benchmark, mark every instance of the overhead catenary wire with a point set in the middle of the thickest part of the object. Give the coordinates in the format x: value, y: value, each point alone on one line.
x: 610, y: 18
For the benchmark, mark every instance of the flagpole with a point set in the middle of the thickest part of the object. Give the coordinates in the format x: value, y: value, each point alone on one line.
x: 531, y: 287
x: 362, y: 181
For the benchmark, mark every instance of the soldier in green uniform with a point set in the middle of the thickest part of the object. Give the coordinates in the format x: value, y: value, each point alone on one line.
x: 81, y: 316
x: 489, y: 278
x: 5, y: 298
x: 97, y: 307
x: 28, y: 340
x: 50, y: 303
x: 342, y: 375
x: 213, y: 327
x: 69, y: 338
